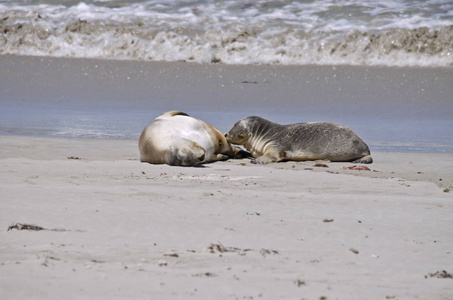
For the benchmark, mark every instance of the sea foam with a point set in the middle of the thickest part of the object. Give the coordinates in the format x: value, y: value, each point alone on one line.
x: 404, y: 33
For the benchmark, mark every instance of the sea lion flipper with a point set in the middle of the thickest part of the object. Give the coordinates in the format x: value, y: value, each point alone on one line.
x: 221, y: 157
x: 240, y: 153
x: 262, y: 160
x: 367, y: 159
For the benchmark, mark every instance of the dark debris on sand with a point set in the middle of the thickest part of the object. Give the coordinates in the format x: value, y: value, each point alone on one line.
x: 32, y: 227
x: 440, y: 274
x: 20, y: 226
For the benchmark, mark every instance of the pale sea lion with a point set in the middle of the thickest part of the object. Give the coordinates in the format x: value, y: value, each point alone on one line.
x: 271, y: 142
x: 175, y: 138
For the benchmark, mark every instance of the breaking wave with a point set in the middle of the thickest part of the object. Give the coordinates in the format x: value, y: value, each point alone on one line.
x: 293, y: 33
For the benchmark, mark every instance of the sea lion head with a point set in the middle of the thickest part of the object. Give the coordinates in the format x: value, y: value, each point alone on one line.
x: 190, y: 154
x: 241, y: 130
x: 223, y: 146
x: 238, y: 134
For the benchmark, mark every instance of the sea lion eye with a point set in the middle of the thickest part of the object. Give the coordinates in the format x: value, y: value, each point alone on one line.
x: 220, y: 143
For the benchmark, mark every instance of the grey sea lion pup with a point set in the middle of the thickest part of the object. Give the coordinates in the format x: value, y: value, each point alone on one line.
x: 177, y: 139
x: 271, y: 142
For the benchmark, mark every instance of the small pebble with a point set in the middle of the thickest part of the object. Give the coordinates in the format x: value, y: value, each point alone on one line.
x: 353, y: 250
x: 172, y: 254
x: 162, y: 263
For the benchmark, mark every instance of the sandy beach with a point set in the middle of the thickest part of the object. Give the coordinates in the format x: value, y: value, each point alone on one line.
x: 117, y: 228
x: 114, y: 228
x: 82, y: 218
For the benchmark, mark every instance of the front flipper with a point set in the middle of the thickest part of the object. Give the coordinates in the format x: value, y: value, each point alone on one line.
x: 239, y: 153
x: 272, y: 154
x: 262, y: 160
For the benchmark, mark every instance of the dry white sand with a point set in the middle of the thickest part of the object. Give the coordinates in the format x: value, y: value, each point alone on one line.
x: 229, y: 230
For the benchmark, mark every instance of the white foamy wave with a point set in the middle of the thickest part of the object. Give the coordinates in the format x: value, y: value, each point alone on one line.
x: 407, y: 33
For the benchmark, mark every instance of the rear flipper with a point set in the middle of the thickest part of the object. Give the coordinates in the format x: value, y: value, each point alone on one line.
x: 218, y: 157
x: 364, y: 160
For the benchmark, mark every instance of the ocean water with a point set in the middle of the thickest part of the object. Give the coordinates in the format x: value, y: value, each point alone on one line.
x: 326, y: 32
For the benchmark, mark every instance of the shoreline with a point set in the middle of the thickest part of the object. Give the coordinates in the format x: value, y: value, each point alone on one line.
x: 219, y: 64
x: 69, y: 97
x: 116, y: 228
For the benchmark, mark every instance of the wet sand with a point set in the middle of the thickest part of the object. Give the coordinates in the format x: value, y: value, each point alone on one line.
x: 392, y: 109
